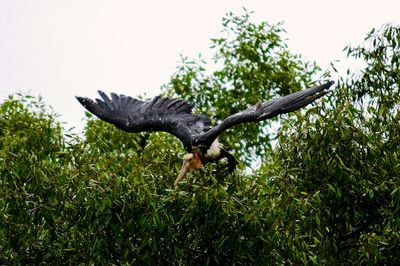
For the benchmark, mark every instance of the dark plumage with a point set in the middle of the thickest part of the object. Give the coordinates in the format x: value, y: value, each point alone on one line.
x: 175, y: 117
x: 160, y: 114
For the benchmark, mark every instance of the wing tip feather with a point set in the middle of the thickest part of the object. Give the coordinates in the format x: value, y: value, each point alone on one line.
x: 83, y: 100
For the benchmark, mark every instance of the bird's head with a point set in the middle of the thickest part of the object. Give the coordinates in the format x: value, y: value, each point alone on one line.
x: 190, y: 161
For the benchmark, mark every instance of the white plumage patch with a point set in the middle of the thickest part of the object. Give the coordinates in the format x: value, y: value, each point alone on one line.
x: 215, y: 149
x: 188, y: 156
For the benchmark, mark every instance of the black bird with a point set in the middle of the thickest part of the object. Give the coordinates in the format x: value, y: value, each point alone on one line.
x: 194, y: 130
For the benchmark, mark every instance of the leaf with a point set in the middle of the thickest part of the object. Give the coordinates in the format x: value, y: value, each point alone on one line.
x: 317, y: 220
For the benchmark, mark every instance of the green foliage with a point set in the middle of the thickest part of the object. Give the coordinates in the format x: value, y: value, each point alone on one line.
x: 380, y: 80
x: 327, y: 194
x: 252, y: 63
x: 343, y: 160
x: 30, y: 148
x: 98, y: 201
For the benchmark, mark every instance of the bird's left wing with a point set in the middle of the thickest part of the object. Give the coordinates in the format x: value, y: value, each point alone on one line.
x: 265, y: 110
x: 159, y: 114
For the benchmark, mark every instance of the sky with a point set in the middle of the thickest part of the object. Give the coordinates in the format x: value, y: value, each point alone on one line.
x: 62, y: 48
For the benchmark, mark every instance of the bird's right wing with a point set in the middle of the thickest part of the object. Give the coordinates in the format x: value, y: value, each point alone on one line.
x: 159, y: 114
x: 266, y: 110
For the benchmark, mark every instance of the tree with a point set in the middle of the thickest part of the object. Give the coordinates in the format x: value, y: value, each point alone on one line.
x: 341, y: 158
x: 253, y: 63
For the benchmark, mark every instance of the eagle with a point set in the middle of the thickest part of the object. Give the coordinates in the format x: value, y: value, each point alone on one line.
x: 195, y: 131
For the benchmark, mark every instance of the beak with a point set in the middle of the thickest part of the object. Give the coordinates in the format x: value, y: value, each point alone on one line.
x: 185, y: 168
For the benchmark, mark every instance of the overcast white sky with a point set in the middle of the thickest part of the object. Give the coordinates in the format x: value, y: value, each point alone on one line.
x: 63, y: 48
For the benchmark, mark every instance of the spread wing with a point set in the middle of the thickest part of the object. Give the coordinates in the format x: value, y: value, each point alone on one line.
x: 159, y: 114
x: 266, y: 110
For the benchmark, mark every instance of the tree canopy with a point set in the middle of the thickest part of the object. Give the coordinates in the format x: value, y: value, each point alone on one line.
x: 252, y: 63
x: 326, y: 193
